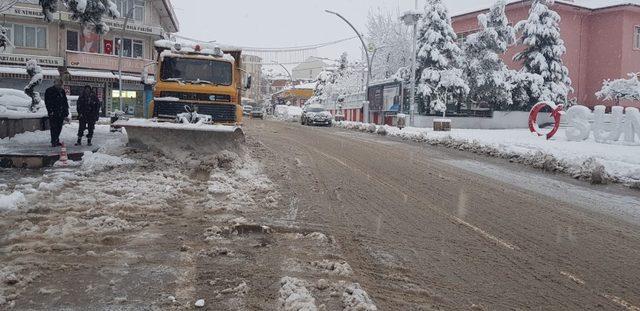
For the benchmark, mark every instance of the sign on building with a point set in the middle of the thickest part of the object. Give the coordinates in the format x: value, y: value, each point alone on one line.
x: 22, y: 59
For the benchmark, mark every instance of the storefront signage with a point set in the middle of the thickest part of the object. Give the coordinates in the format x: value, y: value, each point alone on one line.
x: 621, y: 123
x: 22, y: 60
x: 26, y: 12
x: 117, y: 25
x: 105, y: 62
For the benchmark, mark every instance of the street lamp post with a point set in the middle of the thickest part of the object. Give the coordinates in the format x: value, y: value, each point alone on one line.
x: 411, y: 19
x: 120, y: 48
x: 366, y: 51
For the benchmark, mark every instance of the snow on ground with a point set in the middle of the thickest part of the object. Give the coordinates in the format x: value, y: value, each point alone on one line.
x: 294, y: 295
x: 15, y: 104
x: 586, y: 160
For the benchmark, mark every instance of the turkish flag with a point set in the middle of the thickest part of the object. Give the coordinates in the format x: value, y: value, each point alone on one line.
x: 108, y: 46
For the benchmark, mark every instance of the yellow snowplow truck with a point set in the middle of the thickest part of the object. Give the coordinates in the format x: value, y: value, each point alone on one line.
x: 197, y: 100
x: 209, y: 80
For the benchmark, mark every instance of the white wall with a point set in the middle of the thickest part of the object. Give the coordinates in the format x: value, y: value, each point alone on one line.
x: 500, y: 120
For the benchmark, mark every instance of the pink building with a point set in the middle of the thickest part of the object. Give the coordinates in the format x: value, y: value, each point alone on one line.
x: 602, y: 40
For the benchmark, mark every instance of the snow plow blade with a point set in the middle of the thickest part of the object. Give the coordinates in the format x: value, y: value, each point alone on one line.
x: 176, y: 138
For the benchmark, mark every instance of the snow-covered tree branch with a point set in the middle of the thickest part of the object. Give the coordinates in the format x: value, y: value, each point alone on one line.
x: 621, y: 89
x: 87, y: 12
x: 390, y: 42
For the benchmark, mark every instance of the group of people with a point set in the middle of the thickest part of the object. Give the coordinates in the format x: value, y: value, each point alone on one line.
x: 88, y: 106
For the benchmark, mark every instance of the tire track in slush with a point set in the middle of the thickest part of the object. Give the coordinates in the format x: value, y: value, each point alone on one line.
x: 612, y: 298
x: 452, y: 218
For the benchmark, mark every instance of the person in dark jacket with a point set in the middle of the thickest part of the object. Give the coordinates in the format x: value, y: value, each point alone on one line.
x: 88, y: 113
x: 55, y: 99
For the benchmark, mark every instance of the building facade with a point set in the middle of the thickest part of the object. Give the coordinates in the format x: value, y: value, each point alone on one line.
x: 252, y: 65
x: 309, y: 69
x: 602, y: 40
x: 82, y: 57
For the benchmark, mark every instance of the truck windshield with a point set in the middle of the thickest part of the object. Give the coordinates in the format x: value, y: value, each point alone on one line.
x: 196, y: 71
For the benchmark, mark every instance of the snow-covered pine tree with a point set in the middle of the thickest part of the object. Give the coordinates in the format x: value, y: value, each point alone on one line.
x: 543, y: 53
x: 87, y: 12
x: 439, y: 58
x: 487, y: 74
x: 35, y: 74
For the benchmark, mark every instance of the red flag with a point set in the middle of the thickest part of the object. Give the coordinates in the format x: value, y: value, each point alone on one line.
x: 108, y: 46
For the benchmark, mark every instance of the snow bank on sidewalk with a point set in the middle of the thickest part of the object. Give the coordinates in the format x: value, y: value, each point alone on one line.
x: 587, y: 160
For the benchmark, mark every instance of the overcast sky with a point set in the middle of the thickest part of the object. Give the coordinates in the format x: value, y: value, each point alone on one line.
x: 284, y: 23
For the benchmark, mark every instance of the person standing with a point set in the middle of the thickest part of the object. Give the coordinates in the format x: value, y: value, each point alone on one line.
x: 55, y: 99
x: 88, y: 114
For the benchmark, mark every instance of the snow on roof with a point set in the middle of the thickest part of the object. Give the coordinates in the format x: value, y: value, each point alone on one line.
x: 586, y: 4
x: 73, y: 72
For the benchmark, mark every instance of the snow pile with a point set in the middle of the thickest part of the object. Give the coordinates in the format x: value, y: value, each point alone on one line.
x: 15, y: 104
x: 294, y: 295
x: 355, y: 298
x: 100, y: 161
x: 407, y: 133
x: 586, y: 160
x: 241, y: 182
x: 11, y: 201
x: 341, y: 268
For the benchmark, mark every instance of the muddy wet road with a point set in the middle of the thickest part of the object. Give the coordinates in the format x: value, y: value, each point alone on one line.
x: 429, y: 228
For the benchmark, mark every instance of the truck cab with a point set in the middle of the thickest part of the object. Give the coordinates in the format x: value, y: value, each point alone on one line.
x: 207, y: 80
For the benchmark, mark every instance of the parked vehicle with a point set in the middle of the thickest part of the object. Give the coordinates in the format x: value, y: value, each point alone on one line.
x: 246, y: 110
x: 316, y: 115
x: 257, y: 113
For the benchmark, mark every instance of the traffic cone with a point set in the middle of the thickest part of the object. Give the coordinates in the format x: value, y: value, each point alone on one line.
x: 63, y: 155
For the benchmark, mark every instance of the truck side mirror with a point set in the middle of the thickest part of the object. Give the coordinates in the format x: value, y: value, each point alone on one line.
x: 247, y: 82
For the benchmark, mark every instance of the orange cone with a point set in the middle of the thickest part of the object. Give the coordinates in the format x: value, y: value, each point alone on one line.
x: 63, y: 155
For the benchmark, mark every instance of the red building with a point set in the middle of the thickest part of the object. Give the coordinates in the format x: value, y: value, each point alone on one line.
x: 602, y: 40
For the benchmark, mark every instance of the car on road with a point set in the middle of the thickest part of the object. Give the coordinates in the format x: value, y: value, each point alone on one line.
x: 316, y: 115
x: 257, y: 112
x: 246, y: 110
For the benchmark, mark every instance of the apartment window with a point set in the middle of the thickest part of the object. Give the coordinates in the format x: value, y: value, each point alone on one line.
x: 73, y: 40
x: 636, y: 37
x: 130, y: 48
x: 124, y: 6
x: 26, y: 36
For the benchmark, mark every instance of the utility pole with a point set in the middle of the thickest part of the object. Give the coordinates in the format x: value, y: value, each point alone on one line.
x: 411, y: 19
x: 120, y: 48
x: 366, y: 51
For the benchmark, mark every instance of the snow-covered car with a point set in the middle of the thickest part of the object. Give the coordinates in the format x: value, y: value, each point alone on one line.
x: 316, y: 115
x: 257, y: 113
x: 246, y: 110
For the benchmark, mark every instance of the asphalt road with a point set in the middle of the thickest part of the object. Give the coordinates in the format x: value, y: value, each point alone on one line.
x: 430, y: 228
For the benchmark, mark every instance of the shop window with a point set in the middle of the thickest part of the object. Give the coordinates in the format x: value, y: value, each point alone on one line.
x: 137, y: 49
x: 72, y: 40
x: 130, y: 48
x: 25, y: 36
